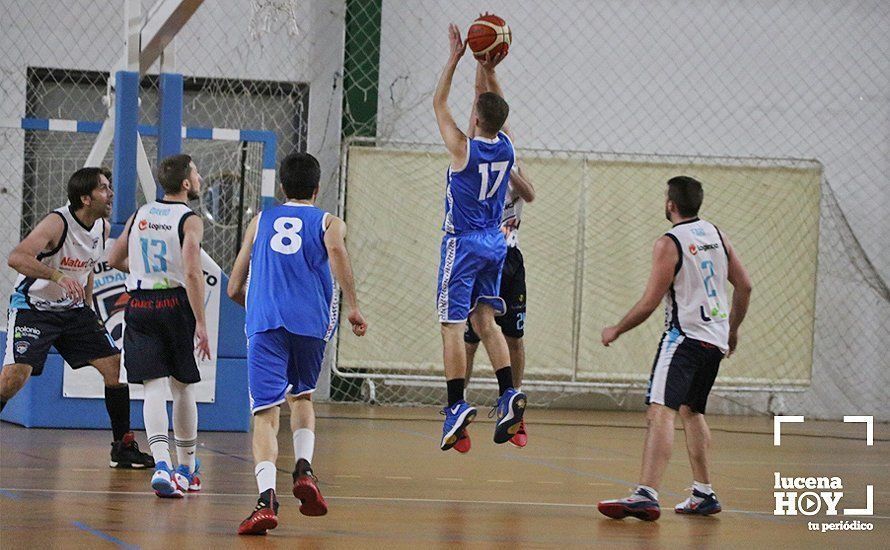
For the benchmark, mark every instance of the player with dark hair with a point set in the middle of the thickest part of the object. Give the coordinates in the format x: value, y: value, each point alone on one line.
x: 164, y: 320
x: 50, y: 305
x: 691, y: 265
x: 512, y: 289
x: 290, y: 253
x: 473, y: 248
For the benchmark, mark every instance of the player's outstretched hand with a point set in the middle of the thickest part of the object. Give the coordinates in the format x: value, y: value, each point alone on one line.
x: 490, y: 61
x: 610, y: 334
x: 359, y: 325
x: 733, y: 342
x: 457, y: 44
x: 73, y: 289
x: 202, y: 342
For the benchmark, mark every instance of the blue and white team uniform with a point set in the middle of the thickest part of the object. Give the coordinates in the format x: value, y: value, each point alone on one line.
x: 291, y: 304
x: 473, y: 248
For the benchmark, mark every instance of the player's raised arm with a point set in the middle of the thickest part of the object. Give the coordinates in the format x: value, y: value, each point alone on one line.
x: 46, y: 236
x: 238, y: 279
x: 664, y: 260
x: 335, y: 242
x: 194, y: 280
x: 118, y: 256
x: 521, y: 183
x: 488, y: 64
x: 738, y: 276
x: 455, y: 140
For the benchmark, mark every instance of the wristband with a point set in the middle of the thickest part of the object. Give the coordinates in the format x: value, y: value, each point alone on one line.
x: 57, y: 276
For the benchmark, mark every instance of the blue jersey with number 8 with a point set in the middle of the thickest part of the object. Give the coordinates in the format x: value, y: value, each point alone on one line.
x: 474, y: 195
x: 289, y: 284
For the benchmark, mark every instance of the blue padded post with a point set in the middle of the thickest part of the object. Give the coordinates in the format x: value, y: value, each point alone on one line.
x: 169, y: 118
x: 126, y: 123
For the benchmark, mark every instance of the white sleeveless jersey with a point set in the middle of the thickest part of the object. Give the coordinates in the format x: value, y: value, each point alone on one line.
x: 696, y: 303
x: 512, y: 217
x: 79, y: 249
x: 154, y: 246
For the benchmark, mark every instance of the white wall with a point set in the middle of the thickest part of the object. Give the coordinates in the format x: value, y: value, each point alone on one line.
x: 775, y: 79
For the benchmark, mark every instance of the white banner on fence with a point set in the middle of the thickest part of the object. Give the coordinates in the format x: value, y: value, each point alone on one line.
x: 110, y: 299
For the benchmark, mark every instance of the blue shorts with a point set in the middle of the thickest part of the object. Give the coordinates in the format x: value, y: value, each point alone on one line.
x: 469, y: 273
x: 280, y: 362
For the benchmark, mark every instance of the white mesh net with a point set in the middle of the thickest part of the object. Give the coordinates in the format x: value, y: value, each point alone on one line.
x: 700, y: 83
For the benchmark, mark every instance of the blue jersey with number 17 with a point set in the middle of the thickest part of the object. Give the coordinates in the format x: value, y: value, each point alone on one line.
x: 474, y: 195
x: 289, y: 284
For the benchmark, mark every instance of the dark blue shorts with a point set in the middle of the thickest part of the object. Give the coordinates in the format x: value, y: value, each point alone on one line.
x: 280, y: 363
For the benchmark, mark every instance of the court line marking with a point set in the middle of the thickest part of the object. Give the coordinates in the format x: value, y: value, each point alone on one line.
x: 398, y: 477
x: 499, y: 480
x: 386, y: 499
x: 450, y: 479
x: 104, y: 536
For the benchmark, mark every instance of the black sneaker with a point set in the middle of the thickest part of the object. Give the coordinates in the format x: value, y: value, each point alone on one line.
x: 126, y: 454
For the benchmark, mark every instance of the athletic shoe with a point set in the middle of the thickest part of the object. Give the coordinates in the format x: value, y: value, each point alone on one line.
x: 263, y: 517
x: 126, y: 454
x: 188, y: 482
x: 463, y: 443
x: 640, y: 505
x: 457, y: 417
x: 699, y: 504
x: 521, y: 438
x: 511, y: 406
x: 311, y: 501
x: 163, y: 484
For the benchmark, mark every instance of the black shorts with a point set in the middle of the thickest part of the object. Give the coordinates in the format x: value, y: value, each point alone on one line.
x: 159, y: 336
x: 512, y: 291
x: 683, y: 372
x: 77, y: 334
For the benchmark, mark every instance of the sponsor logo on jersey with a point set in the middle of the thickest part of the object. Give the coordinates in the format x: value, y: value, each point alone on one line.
x: 76, y: 263
x: 22, y: 347
x: 159, y: 211
x: 703, y: 248
x: 145, y: 224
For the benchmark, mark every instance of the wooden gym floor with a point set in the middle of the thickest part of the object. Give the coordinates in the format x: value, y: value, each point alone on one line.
x: 388, y: 485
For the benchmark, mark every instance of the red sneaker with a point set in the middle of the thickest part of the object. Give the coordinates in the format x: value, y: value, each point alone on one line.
x: 463, y: 442
x: 306, y: 489
x: 263, y: 518
x: 520, y: 439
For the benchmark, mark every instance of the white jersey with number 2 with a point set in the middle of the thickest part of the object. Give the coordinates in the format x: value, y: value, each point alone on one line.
x: 696, y: 302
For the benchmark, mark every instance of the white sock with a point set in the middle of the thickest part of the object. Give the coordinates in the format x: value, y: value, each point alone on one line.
x: 185, y: 422
x: 702, y: 487
x: 154, y: 412
x: 652, y: 491
x: 304, y: 444
x: 265, y: 475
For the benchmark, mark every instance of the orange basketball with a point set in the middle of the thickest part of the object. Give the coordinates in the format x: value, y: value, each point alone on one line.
x: 489, y: 34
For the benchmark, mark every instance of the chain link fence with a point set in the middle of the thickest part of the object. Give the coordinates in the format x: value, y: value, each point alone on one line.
x: 713, y: 79
x: 692, y: 79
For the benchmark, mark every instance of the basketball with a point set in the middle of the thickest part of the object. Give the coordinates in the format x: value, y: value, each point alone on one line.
x: 489, y: 34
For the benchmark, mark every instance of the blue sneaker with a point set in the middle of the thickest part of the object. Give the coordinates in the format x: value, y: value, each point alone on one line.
x: 188, y: 482
x: 699, y: 504
x: 457, y: 417
x: 511, y: 406
x: 640, y: 505
x: 162, y: 482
